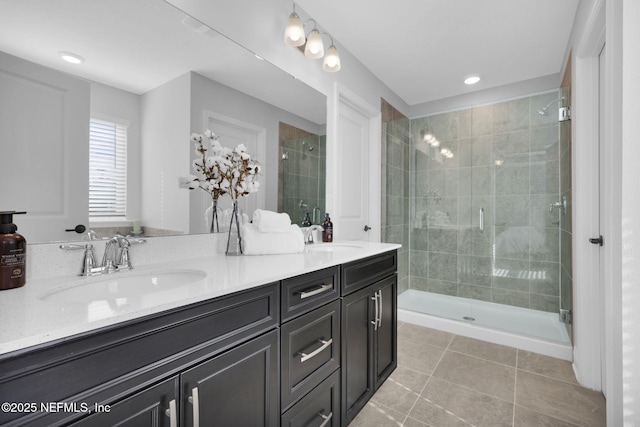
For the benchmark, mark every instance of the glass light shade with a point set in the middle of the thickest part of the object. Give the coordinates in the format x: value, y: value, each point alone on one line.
x: 331, y: 60
x: 314, y: 48
x: 294, y: 33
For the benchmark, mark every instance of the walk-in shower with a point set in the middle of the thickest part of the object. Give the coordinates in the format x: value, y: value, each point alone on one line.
x: 301, y: 174
x: 486, y: 232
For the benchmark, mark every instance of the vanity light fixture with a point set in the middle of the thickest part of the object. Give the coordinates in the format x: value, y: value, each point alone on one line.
x: 472, y: 79
x: 429, y: 137
x: 71, y: 58
x: 312, y: 45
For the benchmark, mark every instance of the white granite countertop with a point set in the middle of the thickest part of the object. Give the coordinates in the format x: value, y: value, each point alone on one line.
x: 51, y: 309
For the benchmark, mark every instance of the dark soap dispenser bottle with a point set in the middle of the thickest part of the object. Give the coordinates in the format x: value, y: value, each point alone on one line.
x: 13, y: 253
x: 327, y: 229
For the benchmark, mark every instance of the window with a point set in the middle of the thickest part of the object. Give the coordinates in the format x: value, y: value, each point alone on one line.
x: 107, y: 169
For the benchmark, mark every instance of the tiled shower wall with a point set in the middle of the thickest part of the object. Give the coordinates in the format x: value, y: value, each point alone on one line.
x: 395, y: 186
x: 504, y: 160
x: 301, y: 173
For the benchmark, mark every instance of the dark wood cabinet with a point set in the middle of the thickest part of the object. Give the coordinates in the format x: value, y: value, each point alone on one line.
x: 369, y: 337
x: 156, y: 406
x: 237, y: 388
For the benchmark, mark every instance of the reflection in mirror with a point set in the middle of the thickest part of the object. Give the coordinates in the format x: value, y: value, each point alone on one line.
x: 301, y: 174
x: 162, y: 74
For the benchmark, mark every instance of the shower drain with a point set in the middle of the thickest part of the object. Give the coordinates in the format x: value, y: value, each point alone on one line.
x: 469, y: 318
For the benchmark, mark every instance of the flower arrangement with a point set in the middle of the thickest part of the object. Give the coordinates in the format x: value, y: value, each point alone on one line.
x: 222, y: 170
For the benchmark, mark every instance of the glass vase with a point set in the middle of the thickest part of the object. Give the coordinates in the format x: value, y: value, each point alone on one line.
x: 215, y: 227
x: 234, y: 238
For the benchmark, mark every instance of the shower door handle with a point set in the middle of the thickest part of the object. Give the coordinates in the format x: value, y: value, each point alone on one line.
x: 481, y: 219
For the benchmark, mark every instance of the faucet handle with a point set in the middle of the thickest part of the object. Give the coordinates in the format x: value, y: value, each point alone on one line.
x: 125, y: 259
x: 88, y: 261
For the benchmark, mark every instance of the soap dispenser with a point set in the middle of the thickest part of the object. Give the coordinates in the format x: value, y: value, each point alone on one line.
x: 13, y: 253
x: 327, y: 229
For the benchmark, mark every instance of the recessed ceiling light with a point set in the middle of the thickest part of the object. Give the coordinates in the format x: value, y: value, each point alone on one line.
x: 71, y: 58
x: 472, y: 79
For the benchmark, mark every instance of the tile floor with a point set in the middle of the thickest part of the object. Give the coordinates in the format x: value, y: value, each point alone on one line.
x: 444, y: 379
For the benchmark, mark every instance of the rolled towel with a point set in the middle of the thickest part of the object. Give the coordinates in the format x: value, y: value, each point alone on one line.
x: 271, y: 222
x: 255, y: 242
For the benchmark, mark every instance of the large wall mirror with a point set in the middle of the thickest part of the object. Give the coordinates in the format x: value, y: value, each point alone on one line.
x: 160, y: 75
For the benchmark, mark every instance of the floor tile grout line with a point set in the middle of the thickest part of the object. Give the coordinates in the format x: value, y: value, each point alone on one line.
x: 429, y: 379
x: 483, y: 359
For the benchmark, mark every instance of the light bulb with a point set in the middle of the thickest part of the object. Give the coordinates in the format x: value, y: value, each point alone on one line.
x: 314, y: 48
x: 294, y: 33
x: 331, y: 60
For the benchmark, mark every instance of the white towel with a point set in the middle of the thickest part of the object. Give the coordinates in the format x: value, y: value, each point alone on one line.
x: 271, y: 222
x: 255, y: 242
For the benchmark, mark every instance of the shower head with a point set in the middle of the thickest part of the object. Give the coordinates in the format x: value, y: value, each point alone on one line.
x: 311, y: 148
x: 543, y: 111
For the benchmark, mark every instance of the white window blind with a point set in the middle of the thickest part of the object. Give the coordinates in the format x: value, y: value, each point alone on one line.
x: 107, y: 169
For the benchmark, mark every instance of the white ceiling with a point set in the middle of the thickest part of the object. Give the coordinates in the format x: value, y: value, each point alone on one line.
x: 423, y: 49
x: 138, y: 45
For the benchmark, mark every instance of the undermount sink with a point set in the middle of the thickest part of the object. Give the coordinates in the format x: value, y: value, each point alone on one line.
x: 332, y: 247
x: 124, y: 285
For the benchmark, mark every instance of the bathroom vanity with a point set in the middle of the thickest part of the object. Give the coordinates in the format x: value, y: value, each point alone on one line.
x: 308, y: 344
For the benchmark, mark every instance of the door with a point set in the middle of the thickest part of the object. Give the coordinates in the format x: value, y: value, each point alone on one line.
x: 356, y: 202
x: 49, y: 114
x: 604, y: 179
x: 386, y: 339
x: 357, y: 351
x: 152, y: 407
x: 232, y: 132
x: 237, y: 388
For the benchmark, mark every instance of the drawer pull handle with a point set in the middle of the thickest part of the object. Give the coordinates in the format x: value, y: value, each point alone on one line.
x: 172, y: 414
x: 321, y: 289
x: 304, y: 356
x: 326, y: 418
x: 195, y: 401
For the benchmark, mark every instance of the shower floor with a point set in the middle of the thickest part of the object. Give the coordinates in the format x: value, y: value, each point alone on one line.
x: 538, y: 324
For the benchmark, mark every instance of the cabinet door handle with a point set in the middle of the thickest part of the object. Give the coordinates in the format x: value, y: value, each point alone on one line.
x: 380, y: 309
x: 321, y: 289
x: 172, y: 414
x: 326, y: 418
x: 374, y: 322
x: 195, y: 401
x: 481, y: 219
x: 304, y: 356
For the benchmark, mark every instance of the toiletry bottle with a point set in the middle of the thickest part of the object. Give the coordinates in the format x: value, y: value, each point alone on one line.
x: 306, y: 222
x: 13, y: 253
x: 327, y: 229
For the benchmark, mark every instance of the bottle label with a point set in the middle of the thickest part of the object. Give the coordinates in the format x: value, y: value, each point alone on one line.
x: 14, y: 263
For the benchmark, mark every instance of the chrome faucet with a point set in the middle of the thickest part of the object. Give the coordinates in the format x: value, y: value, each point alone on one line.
x: 116, y: 255
x: 308, y: 233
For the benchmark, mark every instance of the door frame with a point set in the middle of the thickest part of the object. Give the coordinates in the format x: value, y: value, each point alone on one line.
x: 589, y: 312
x: 342, y: 95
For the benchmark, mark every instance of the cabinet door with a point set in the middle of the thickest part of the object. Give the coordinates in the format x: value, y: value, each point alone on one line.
x: 357, y: 352
x: 237, y: 388
x: 155, y: 406
x: 386, y: 337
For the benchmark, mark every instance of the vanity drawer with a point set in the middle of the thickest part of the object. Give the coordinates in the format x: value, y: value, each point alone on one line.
x: 358, y: 274
x: 321, y: 407
x: 302, y: 294
x: 310, y: 351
